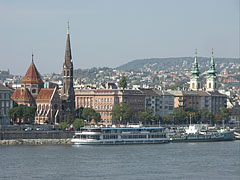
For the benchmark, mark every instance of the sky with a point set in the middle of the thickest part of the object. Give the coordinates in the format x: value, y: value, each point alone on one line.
x: 109, y: 33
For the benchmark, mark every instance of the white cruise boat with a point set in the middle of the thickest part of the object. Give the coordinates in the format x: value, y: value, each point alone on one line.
x: 121, y: 135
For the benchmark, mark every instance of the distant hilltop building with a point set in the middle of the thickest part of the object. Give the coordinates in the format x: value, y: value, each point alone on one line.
x: 53, y: 106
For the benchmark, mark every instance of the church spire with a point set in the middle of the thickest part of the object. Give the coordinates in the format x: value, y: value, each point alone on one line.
x: 195, y: 71
x: 212, y: 70
x: 195, y: 81
x: 68, y: 54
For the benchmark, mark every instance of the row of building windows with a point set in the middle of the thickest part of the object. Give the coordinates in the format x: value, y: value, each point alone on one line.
x: 4, y: 111
x: 4, y: 96
x: 103, y: 100
x: 104, y: 107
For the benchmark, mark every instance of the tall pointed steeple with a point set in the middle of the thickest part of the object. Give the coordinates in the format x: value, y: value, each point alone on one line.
x: 212, y: 70
x: 195, y: 71
x: 68, y: 95
x: 212, y: 78
x: 68, y: 53
x: 195, y: 82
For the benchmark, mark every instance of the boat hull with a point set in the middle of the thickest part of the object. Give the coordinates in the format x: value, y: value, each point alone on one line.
x: 118, y: 142
x: 228, y: 136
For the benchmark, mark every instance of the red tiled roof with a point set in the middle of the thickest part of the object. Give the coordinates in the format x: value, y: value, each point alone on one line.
x: 45, y: 94
x: 20, y: 94
x: 32, y: 75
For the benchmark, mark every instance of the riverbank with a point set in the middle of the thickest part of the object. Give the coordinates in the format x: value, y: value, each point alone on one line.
x: 35, y: 141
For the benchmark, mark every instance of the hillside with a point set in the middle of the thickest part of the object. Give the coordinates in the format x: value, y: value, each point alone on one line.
x: 178, y: 63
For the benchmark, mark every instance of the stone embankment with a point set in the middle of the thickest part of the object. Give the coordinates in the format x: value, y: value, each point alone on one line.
x: 35, y: 141
x: 35, y: 137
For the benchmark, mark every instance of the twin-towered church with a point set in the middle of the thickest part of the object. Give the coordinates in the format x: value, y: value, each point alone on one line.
x: 53, y: 106
x: 211, y: 80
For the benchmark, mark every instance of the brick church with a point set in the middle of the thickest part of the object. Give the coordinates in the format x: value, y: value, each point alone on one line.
x: 53, y: 105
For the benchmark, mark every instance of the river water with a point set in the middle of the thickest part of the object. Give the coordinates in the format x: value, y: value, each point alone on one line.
x: 193, y: 161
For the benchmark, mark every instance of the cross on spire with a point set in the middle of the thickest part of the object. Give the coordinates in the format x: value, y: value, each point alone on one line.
x: 68, y: 27
x: 32, y: 57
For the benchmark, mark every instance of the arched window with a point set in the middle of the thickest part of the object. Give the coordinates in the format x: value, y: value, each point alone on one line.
x: 67, y: 73
x: 210, y: 85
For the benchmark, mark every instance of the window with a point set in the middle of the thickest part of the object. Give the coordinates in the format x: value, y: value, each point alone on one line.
x: 193, y: 85
x: 34, y: 91
x: 210, y: 85
x: 67, y: 73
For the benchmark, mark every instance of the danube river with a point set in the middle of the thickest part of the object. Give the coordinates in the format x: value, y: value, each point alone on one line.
x: 193, y: 161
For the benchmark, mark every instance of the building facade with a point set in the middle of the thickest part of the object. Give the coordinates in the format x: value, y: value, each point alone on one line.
x: 6, y: 103
x: 161, y: 102
x: 103, y: 100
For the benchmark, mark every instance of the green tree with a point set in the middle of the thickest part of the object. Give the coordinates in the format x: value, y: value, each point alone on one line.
x: 29, y: 113
x: 22, y: 112
x: 218, y: 118
x: 63, y: 125
x: 225, y: 113
x: 121, y: 113
x: 166, y: 119
x: 12, y: 114
x: 69, y: 119
x: 89, y: 114
x: 123, y: 82
x: 146, y: 116
x: 179, y: 116
x: 78, y: 123
x: 79, y: 112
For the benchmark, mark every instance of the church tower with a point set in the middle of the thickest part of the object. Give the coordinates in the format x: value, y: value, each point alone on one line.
x: 32, y: 80
x: 195, y: 82
x: 68, y: 96
x: 211, y: 84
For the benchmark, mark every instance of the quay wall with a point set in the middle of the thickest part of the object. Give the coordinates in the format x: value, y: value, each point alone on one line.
x: 35, y: 141
x: 12, y: 135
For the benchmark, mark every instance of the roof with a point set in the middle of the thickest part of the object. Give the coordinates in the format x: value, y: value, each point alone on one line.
x: 22, y: 94
x: 4, y: 88
x: 45, y: 94
x: 148, y: 92
x: 216, y: 93
x: 32, y: 76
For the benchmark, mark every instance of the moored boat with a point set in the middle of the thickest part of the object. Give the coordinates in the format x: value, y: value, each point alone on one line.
x: 120, y: 135
x: 194, y: 133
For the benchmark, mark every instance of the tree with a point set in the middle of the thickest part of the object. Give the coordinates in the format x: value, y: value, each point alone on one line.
x: 22, y: 112
x: 78, y: 123
x: 63, y: 125
x: 123, y: 82
x: 225, y: 113
x: 121, y: 113
x: 69, y: 119
x: 146, y: 116
x: 29, y: 112
x: 79, y: 112
x: 165, y: 119
x: 89, y: 114
x: 218, y: 118
x: 179, y: 116
x: 12, y: 114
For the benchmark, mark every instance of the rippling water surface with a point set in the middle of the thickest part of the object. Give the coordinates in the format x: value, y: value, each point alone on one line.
x: 195, y: 161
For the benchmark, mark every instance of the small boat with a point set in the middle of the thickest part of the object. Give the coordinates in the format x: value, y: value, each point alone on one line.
x: 120, y: 135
